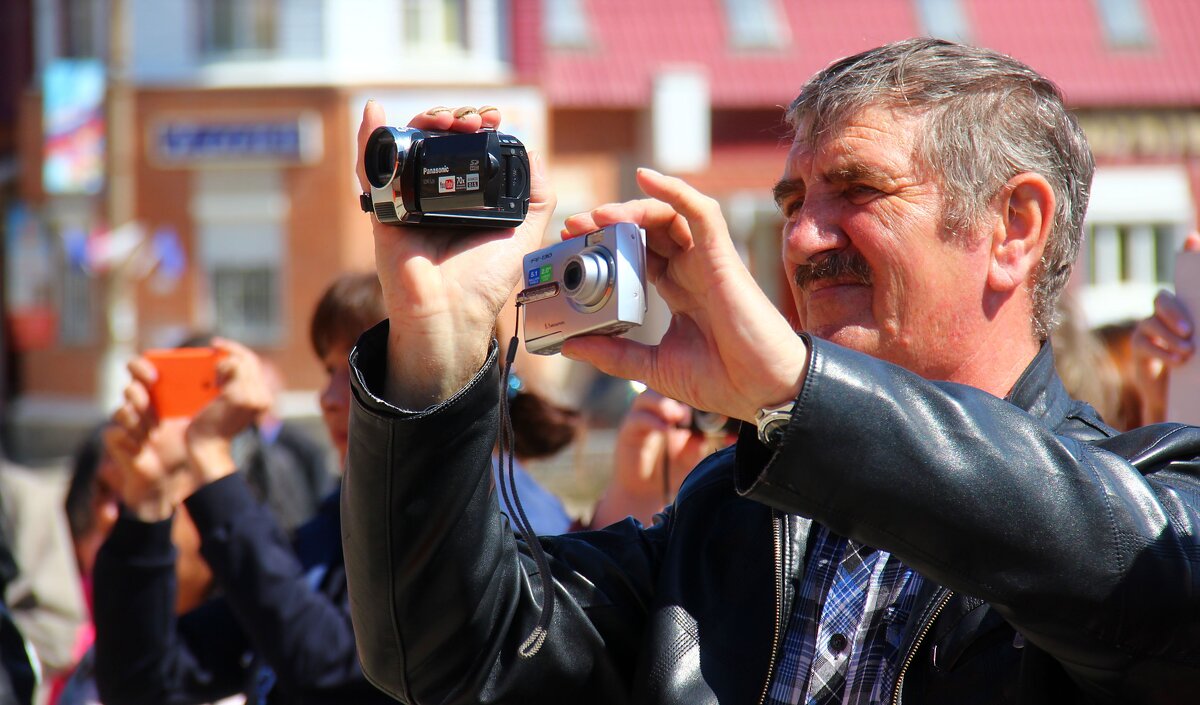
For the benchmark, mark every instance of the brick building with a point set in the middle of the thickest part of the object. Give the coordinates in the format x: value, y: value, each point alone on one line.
x: 244, y: 114
x: 241, y: 152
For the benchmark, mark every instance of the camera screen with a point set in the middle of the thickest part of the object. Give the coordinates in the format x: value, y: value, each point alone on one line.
x: 454, y: 172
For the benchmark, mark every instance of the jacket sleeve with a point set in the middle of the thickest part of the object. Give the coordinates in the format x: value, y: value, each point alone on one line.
x: 143, y: 655
x: 299, y: 631
x: 1092, y: 560
x: 442, y: 593
x: 268, y: 609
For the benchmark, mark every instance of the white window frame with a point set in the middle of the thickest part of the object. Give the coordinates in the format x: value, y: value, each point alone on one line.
x: 241, y: 226
x: 245, y: 43
x: 431, y: 37
x: 1137, y: 220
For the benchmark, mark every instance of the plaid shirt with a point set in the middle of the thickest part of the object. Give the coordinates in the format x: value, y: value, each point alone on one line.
x: 843, y: 638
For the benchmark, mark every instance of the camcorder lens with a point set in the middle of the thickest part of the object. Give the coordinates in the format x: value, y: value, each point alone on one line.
x: 381, y: 155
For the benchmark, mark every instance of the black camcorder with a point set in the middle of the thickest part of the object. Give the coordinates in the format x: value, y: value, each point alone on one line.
x: 454, y: 179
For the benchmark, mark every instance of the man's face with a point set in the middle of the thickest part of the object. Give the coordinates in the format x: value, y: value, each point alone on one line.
x: 870, y: 263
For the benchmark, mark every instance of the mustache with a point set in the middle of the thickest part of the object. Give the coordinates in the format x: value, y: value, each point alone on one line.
x: 837, y: 265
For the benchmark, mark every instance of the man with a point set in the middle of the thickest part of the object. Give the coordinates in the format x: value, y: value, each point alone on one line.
x: 916, y: 510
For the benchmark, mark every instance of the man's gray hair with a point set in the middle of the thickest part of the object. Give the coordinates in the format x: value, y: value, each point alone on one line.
x: 987, y: 117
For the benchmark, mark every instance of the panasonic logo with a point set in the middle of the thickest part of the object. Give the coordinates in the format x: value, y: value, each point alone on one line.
x: 436, y: 170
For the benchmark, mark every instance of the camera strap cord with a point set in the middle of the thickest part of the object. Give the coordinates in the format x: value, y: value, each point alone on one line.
x: 508, y: 490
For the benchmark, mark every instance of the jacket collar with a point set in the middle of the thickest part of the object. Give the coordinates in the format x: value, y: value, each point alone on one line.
x: 1039, y: 390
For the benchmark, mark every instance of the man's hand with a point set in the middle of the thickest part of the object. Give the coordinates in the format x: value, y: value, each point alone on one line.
x: 244, y: 396
x: 150, y: 456
x: 728, y: 349
x: 443, y: 289
x: 1160, y: 343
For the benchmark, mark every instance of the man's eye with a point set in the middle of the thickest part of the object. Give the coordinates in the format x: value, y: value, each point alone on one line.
x: 791, y: 207
x: 859, y: 194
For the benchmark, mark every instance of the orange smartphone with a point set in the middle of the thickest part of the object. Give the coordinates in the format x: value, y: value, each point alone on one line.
x: 187, y: 380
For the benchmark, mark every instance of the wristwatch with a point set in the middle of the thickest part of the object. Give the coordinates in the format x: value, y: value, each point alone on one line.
x: 771, y: 421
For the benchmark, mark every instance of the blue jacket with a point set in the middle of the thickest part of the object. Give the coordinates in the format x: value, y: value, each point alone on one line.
x: 279, y: 632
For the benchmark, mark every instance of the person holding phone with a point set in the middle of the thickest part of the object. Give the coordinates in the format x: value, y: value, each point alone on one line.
x: 280, y: 630
x: 1161, y: 342
x: 658, y: 443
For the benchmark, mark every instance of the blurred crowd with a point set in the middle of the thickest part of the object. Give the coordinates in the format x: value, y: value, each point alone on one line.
x: 192, y: 558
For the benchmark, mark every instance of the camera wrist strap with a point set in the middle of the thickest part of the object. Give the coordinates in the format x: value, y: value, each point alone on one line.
x: 508, y: 491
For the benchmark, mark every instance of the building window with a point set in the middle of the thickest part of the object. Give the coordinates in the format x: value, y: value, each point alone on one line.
x: 1125, y: 265
x: 435, y: 25
x: 238, y: 27
x: 564, y: 23
x: 944, y: 19
x: 83, y: 29
x: 76, y: 323
x: 241, y: 218
x: 68, y: 271
x: 756, y: 24
x: 246, y: 302
x: 242, y: 266
x: 1133, y: 253
x: 1124, y: 22
x: 1137, y: 219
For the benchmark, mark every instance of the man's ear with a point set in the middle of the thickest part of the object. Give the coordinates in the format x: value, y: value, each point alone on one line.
x: 1025, y: 211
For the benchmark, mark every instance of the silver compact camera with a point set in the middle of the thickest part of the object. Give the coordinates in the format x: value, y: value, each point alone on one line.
x: 594, y: 284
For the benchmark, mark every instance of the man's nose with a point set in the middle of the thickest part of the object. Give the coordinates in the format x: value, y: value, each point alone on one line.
x: 812, y: 232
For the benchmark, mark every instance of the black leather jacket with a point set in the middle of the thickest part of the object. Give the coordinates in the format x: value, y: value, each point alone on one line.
x: 1058, y: 572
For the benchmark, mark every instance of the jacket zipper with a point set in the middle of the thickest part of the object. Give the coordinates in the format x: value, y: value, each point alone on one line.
x: 777, y: 533
x: 912, y: 651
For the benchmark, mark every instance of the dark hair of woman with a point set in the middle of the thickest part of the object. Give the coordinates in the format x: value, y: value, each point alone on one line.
x: 352, y: 304
x: 84, y: 465
x: 542, y: 428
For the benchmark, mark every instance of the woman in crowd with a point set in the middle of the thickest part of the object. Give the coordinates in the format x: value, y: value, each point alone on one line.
x: 280, y: 631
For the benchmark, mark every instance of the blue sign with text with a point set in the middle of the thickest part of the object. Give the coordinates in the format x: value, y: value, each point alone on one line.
x: 183, y: 142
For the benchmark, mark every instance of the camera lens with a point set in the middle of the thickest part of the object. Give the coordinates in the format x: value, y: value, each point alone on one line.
x: 381, y: 156
x: 573, y: 275
x: 587, y: 277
